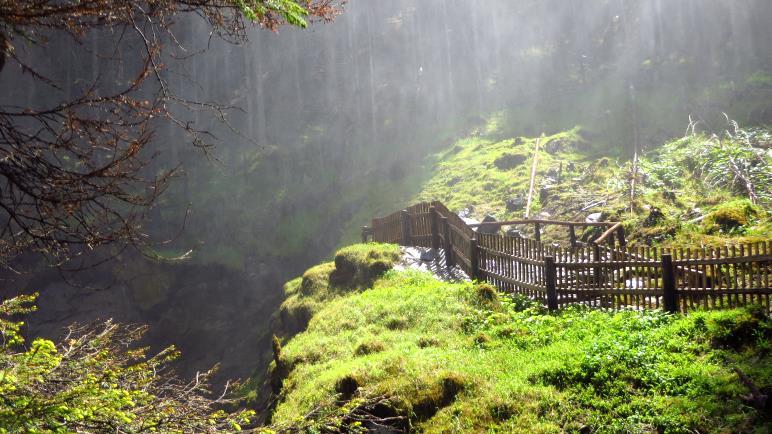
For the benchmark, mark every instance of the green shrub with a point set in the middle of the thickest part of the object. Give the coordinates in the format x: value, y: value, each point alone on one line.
x: 99, y: 380
x: 731, y: 217
x: 486, y: 296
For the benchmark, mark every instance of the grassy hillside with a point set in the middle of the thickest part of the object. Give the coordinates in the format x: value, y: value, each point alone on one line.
x: 415, y: 353
x: 355, y: 348
x: 686, y: 191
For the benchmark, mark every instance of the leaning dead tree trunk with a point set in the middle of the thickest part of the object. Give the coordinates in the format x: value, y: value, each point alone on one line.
x: 636, y: 146
x: 533, y: 176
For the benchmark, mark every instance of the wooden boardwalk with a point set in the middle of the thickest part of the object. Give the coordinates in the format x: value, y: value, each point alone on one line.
x: 603, y: 272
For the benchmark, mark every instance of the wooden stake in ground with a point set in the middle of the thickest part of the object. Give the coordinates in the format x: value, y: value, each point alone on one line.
x: 533, y: 176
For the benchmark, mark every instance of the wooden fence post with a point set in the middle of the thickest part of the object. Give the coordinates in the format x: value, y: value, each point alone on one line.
x: 572, y: 235
x: 550, y: 283
x: 448, y: 246
x: 621, y: 236
x: 670, y: 294
x: 537, y: 232
x: 365, y: 233
x: 474, y: 259
x: 596, y: 258
x: 435, y: 228
x: 406, y: 238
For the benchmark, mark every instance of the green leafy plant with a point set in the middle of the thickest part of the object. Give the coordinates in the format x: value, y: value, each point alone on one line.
x: 292, y: 12
x: 97, y: 380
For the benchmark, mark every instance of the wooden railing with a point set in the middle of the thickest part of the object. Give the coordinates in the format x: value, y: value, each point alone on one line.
x: 607, y: 236
x: 602, y: 273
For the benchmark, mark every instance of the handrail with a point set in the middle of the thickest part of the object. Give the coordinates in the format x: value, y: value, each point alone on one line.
x: 545, y: 222
x: 608, y: 233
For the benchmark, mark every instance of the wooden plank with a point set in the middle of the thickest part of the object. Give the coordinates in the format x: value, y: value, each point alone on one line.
x: 725, y: 260
x: 669, y: 284
x: 549, y: 283
x: 735, y: 279
x: 734, y: 291
x: 508, y: 256
x: 519, y: 283
x: 543, y: 222
x: 474, y: 260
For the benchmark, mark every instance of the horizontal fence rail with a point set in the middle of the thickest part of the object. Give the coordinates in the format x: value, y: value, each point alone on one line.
x: 601, y: 273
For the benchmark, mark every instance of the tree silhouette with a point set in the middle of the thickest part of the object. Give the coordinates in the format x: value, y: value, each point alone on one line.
x: 74, y: 171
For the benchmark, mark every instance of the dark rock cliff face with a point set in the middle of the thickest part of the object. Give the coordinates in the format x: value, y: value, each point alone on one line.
x: 211, y: 313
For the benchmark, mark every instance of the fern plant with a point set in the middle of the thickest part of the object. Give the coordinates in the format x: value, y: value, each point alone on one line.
x: 290, y: 11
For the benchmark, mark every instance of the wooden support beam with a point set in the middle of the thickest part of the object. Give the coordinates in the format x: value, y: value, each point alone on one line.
x: 550, y: 280
x: 572, y: 235
x: 406, y: 237
x: 474, y: 259
x: 596, y: 258
x: 434, y: 223
x: 670, y: 293
x: 609, y: 233
x: 447, y: 245
x: 543, y: 222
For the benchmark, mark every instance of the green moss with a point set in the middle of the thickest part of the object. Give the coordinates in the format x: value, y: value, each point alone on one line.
x: 316, y: 280
x: 579, y: 370
x: 292, y: 287
x: 731, y: 217
x: 360, y: 264
x: 355, y: 267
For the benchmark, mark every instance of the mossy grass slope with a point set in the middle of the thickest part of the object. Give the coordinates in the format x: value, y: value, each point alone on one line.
x: 683, y: 196
x: 485, y: 173
x: 459, y: 357
x: 354, y: 267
